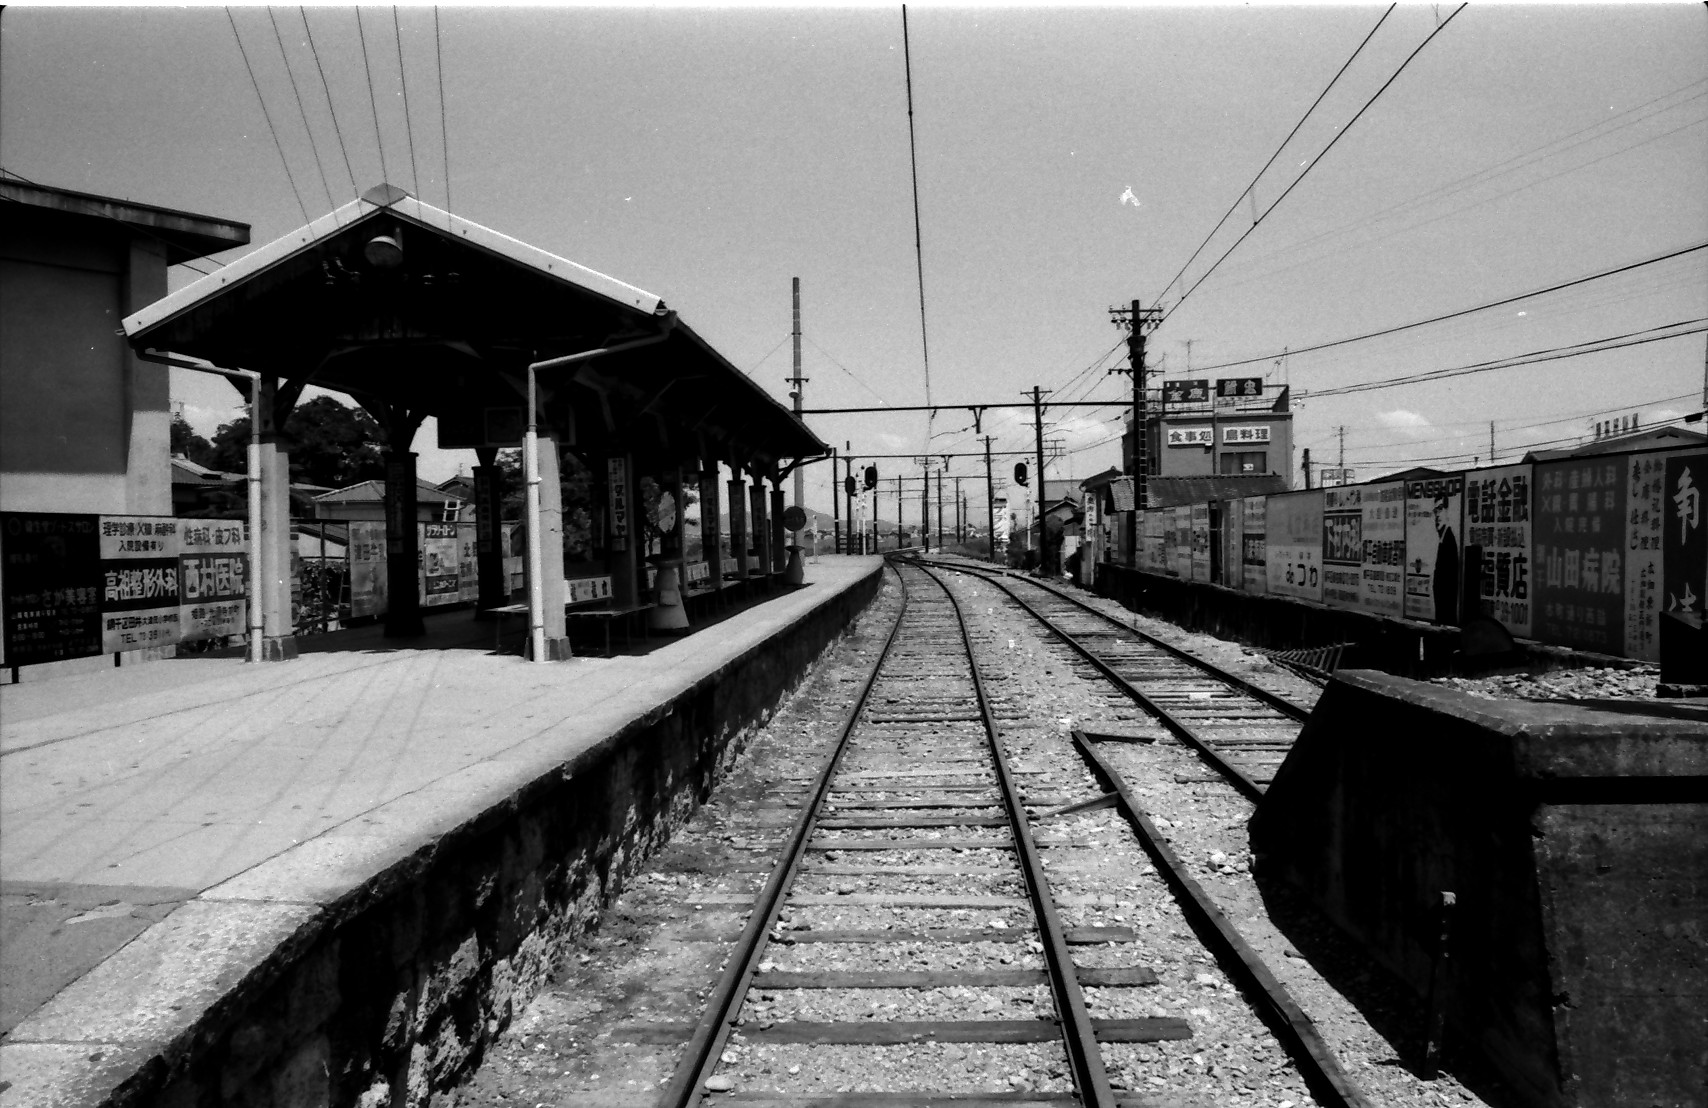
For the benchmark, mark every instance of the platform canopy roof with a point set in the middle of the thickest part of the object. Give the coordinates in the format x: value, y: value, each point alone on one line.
x: 408, y: 308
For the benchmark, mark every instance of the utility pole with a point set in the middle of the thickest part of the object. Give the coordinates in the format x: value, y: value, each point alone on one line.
x: 925, y: 504
x: 989, y: 499
x: 1343, y: 446
x: 898, y: 511
x: 1137, y: 321
x: 960, y: 513
x: 939, y: 507
x: 1038, y: 430
x: 797, y: 385
x: 1307, y: 467
x: 835, y: 510
x: 1491, y: 442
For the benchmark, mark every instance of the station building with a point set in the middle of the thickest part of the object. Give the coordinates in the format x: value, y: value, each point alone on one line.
x: 84, y: 422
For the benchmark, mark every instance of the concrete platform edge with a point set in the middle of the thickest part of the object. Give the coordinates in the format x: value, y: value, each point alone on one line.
x: 299, y: 982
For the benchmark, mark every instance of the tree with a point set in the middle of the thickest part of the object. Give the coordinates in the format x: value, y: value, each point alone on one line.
x: 330, y: 444
x: 185, y: 441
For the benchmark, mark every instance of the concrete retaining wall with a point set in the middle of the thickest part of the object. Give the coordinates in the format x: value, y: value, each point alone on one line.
x: 1575, y: 839
x: 390, y: 994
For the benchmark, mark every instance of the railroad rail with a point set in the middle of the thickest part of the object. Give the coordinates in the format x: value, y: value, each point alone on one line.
x: 921, y: 777
x: 1242, y: 730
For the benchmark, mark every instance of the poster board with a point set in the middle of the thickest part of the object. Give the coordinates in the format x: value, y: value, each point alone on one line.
x: 1293, y: 560
x: 367, y: 568
x: 1233, y: 536
x: 139, y: 582
x: 213, y: 579
x: 1154, y: 525
x: 1497, y: 518
x: 1343, y: 545
x: 50, y: 586
x: 1434, y: 547
x: 1382, y: 553
x: 1684, y: 555
x: 1179, y: 541
x: 1580, y: 535
x: 1198, y: 539
x: 1254, y: 546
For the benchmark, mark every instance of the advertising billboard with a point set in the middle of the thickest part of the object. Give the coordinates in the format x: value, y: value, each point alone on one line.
x: 1497, y: 518
x: 1382, y: 553
x: 1343, y: 546
x: 1294, y: 538
x: 1580, y: 535
x: 1434, y: 506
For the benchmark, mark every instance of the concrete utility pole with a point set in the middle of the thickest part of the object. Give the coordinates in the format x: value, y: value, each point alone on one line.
x: 1038, y: 430
x: 835, y: 510
x: 1491, y: 442
x: 848, y: 492
x: 939, y: 507
x: 989, y: 499
x: 1307, y: 467
x: 898, y: 512
x: 1343, y: 446
x: 1138, y: 320
x: 960, y: 513
x: 925, y: 504
x: 797, y: 385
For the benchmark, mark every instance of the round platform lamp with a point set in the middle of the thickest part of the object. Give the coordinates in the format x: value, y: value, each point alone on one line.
x: 794, y: 518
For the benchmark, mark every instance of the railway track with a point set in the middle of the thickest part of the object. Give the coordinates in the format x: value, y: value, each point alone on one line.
x: 1241, y: 729
x: 922, y: 801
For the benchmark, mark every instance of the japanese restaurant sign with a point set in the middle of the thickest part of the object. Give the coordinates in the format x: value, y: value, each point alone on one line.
x: 1497, y: 518
x: 1580, y: 540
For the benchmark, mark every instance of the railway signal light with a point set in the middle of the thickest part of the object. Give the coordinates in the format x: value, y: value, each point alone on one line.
x: 871, y: 477
x: 848, y: 485
x: 1019, y: 473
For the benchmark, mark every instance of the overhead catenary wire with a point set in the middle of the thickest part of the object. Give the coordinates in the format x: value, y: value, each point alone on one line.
x: 302, y: 110
x: 444, y: 132
x: 918, y: 247
x: 331, y: 109
x: 1679, y: 329
x: 268, y: 116
x: 1312, y: 164
x: 373, y: 102
x: 1615, y: 271
x: 1259, y: 174
x: 408, y: 123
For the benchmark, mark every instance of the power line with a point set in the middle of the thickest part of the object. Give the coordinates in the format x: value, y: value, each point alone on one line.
x: 373, y: 104
x: 444, y: 139
x: 1467, y: 311
x: 851, y: 374
x: 1340, y: 134
x: 403, y: 79
x: 314, y: 148
x: 330, y: 107
x: 1593, y: 346
x: 918, y: 249
x: 265, y: 114
x: 1259, y: 174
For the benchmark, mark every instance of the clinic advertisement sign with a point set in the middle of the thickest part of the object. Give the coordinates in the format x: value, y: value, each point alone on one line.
x: 213, y: 579
x: 1254, y: 545
x: 139, y: 582
x: 1179, y: 540
x: 1294, y: 542
x: 1154, y: 524
x: 1343, y: 546
x: 50, y: 586
x: 1433, y: 526
x: 1497, y: 518
x: 1580, y: 536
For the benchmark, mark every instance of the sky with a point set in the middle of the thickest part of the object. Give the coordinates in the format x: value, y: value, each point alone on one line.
x: 1068, y: 160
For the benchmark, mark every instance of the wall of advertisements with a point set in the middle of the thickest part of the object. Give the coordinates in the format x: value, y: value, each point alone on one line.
x: 1198, y: 538
x: 1585, y: 552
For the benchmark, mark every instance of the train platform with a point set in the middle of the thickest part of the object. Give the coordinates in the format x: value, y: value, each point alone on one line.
x: 178, y: 839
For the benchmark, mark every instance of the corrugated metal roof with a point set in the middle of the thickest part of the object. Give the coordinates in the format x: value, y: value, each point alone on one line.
x: 1169, y: 492
x: 381, y: 198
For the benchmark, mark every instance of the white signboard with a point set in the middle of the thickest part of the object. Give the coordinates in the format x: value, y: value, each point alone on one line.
x: 1382, y: 570
x: 1294, y: 544
x: 1191, y: 436
x: 1254, y: 512
x: 1236, y: 435
x: 1497, y: 518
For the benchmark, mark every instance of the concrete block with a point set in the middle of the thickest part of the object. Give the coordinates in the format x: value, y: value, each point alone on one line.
x: 305, y: 1081
x: 1575, y: 839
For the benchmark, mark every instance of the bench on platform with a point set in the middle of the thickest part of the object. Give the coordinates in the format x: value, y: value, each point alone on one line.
x: 498, y: 615
x: 605, y: 612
